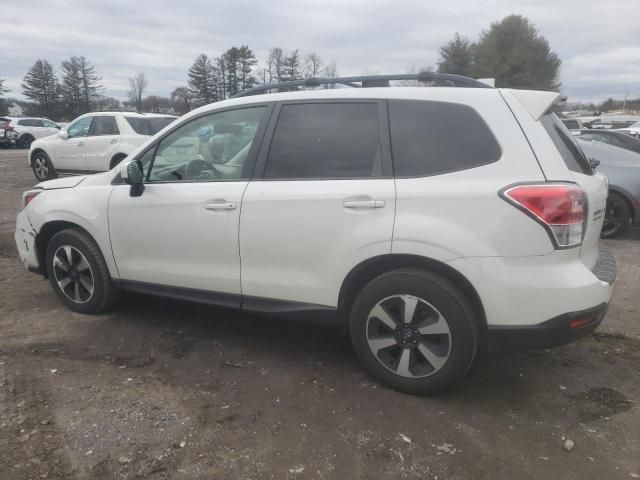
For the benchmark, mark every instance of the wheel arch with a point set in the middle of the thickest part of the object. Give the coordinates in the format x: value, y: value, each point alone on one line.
x: 119, y: 156
x: 367, y: 270
x: 46, y: 233
x: 35, y: 151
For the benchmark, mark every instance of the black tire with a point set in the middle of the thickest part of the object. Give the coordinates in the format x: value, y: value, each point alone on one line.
x: 116, y: 160
x: 25, y: 141
x: 437, y: 295
x: 104, y: 293
x: 617, y: 216
x: 42, y: 167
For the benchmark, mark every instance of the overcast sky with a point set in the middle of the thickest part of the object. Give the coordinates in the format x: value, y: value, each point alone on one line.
x: 598, y: 41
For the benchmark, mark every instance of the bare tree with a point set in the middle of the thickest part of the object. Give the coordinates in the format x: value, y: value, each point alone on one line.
x: 276, y: 64
x: 312, y: 66
x: 137, y: 85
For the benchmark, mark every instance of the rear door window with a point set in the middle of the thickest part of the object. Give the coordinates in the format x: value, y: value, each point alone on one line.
x: 148, y: 126
x: 571, y: 153
x: 326, y: 141
x: 432, y: 138
x: 104, y: 125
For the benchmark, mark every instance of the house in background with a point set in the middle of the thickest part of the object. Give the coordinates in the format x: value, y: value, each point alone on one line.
x: 15, y: 110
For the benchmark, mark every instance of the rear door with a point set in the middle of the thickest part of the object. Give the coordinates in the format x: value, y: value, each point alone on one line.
x: 322, y: 202
x: 102, y: 142
x: 594, y: 185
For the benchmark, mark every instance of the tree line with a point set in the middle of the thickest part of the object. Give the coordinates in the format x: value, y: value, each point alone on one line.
x: 512, y: 51
x: 76, y: 88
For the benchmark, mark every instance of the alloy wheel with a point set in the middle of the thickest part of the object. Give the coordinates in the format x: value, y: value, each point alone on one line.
x: 73, y: 274
x: 409, y: 336
x: 41, y: 168
x: 614, y: 216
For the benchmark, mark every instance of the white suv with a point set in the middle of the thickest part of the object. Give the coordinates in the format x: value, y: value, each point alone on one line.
x: 365, y: 207
x: 93, y: 142
x: 22, y: 131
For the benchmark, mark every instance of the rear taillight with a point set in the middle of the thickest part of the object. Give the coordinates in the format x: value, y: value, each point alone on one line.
x: 558, y: 207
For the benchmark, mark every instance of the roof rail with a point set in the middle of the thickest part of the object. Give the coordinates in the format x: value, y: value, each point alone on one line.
x: 365, y: 81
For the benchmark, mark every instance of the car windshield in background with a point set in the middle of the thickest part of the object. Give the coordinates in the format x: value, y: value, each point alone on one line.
x: 569, y: 149
x: 149, y: 126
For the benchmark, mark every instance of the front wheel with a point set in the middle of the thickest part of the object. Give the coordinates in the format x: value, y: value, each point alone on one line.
x: 78, y: 273
x: 617, y: 216
x: 414, y: 330
x: 42, y: 167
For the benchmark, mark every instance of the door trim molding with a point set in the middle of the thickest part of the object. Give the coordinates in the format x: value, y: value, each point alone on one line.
x: 298, y: 311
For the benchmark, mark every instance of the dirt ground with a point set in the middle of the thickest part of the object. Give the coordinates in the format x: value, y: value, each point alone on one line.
x: 165, y: 389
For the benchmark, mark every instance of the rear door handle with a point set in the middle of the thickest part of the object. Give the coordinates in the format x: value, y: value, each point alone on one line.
x: 363, y: 204
x: 80, y: 144
x: 115, y: 140
x: 220, y: 206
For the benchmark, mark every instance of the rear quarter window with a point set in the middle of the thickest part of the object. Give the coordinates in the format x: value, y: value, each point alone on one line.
x: 433, y: 138
x: 567, y: 146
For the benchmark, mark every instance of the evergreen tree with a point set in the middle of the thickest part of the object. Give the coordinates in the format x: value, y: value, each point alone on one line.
x: 71, y: 87
x: 203, y: 81
x: 40, y: 85
x: 3, y: 103
x: 90, y: 83
x: 292, y: 67
x: 238, y: 68
x: 514, y: 53
x: 247, y: 62
x: 456, y: 56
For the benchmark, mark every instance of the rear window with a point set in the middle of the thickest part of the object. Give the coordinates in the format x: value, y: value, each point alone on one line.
x: 569, y: 149
x: 432, y: 138
x: 148, y: 126
x: 31, y: 122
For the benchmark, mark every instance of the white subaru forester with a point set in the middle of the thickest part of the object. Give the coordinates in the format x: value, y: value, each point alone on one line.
x: 434, y: 222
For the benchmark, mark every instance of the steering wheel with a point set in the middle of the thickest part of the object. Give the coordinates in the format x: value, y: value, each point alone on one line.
x: 200, y: 169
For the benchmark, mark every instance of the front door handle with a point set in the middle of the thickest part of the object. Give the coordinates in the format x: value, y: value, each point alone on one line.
x: 363, y: 204
x: 80, y: 144
x: 220, y: 206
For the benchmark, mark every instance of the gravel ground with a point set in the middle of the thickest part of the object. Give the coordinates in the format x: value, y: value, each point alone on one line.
x: 165, y: 389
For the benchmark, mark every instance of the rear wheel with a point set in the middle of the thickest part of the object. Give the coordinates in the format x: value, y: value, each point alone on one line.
x: 25, y: 141
x: 78, y: 273
x: 414, y: 330
x: 617, y: 216
x: 42, y: 167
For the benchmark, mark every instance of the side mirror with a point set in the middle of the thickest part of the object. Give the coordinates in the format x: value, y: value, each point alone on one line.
x: 133, y: 175
x: 63, y: 134
x: 594, y: 163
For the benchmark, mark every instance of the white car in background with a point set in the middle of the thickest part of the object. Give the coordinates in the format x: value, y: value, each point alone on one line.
x: 94, y: 142
x: 22, y: 131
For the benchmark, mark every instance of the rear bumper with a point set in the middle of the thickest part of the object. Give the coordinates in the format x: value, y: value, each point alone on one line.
x: 558, y: 331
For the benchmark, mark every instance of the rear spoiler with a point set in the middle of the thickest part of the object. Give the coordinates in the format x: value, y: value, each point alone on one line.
x: 536, y: 102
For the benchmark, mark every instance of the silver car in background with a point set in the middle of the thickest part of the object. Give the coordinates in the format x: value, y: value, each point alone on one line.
x: 622, y: 167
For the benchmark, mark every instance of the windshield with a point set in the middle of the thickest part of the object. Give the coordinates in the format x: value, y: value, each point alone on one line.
x: 148, y: 125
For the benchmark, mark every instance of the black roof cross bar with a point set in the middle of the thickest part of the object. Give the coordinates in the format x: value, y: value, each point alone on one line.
x: 366, y: 81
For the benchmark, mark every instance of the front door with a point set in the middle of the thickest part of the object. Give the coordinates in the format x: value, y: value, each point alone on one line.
x: 182, y: 232
x: 70, y: 151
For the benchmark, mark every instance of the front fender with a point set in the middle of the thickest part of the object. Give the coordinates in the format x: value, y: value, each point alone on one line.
x: 88, y: 211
